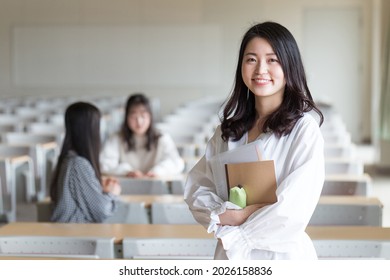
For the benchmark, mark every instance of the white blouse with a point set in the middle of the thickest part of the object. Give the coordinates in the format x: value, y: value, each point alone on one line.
x: 163, y: 160
x: 275, y: 231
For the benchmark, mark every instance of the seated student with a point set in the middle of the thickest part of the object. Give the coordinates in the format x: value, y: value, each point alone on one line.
x: 139, y: 150
x: 79, y: 193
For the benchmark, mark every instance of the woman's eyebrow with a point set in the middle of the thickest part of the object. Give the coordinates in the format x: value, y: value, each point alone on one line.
x: 254, y: 54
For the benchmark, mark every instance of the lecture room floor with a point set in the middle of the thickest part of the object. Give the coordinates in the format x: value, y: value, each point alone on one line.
x: 381, y: 188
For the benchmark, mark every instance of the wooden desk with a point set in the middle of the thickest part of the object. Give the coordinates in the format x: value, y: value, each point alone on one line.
x: 168, y: 179
x: 347, y: 184
x: 149, y: 199
x: 322, y: 237
x: 350, y: 200
x: 119, y: 231
x: 326, y: 199
x: 348, y: 177
x: 348, y: 233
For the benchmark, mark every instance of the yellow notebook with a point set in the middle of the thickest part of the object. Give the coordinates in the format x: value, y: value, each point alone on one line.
x: 257, y: 178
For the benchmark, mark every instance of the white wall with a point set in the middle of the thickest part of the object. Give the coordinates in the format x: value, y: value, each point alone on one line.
x: 217, y: 27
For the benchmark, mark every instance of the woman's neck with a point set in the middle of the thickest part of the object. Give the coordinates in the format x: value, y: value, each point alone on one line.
x: 266, y: 105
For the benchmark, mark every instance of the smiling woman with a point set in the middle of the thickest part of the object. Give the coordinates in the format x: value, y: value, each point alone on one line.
x: 264, y: 77
x: 139, y: 149
x: 261, y: 70
x: 271, y: 105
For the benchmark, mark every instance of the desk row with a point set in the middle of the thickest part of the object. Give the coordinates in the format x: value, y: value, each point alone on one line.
x: 171, y: 209
x: 337, y: 184
x: 50, y: 240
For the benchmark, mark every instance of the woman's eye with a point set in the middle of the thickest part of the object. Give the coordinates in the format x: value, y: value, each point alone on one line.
x: 251, y: 59
x: 273, y: 60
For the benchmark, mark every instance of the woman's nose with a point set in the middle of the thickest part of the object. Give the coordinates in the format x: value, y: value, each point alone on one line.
x: 262, y: 68
x: 140, y: 120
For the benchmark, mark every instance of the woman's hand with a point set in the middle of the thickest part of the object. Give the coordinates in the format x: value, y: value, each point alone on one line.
x: 150, y: 174
x: 116, y: 189
x: 111, y: 185
x: 237, y: 217
x: 139, y: 174
x: 135, y: 174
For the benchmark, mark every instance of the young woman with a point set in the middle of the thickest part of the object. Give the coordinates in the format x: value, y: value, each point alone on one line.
x: 271, y: 104
x: 139, y: 150
x: 78, y: 192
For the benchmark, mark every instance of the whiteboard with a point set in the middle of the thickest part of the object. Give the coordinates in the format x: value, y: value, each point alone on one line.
x: 116, y: 55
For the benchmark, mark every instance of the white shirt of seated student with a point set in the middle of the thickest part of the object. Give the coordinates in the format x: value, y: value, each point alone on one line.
x: 163, y: 160
x: 275, y: 231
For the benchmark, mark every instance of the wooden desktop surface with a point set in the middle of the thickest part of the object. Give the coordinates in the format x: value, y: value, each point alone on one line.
x: 169, y: 178
x: 348, y: 233
x: 331, y: 199
x: 149, y: 199
x: 348, y: 177
x: 349, y: 200
x: 16, y: 159
x: 173, y: 198
x: 120, y: 231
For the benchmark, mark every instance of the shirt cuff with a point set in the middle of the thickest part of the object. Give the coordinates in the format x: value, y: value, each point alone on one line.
x: 236, y: 245
x: 214, y: 216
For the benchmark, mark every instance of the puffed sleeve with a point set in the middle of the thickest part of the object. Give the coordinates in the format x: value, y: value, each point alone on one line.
x: 200, y: 190
x: 279, y: 226
x: 110, y: 156
x: 168, y: 160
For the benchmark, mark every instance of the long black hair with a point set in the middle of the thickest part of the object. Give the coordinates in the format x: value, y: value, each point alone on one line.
x: 82, y: 135
x: 127, y: 134
x: 239, y: 114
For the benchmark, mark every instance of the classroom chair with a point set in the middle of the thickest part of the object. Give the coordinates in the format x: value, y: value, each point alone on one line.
x: 169, y: 248
x: 340, y: 151
x: 57, y: 119
x: 7, y: 192
x: 46, y: 128
x: 171, y: 213
x: 39, y: 114
x: 44, y: 152
x: 347, y: 211
x: 129, y: 213
x: 2, y: 208
x: 44, y: 210
x: 57, y: 247
x: 18, y: 122
x: 360, y: 185
x: 343, y: 166
x: 4, y: 128
x: 177, y: 186
x: 187, y: 150
x: 20, y: 172
x: 142, y: 186
x: 11, y: 173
